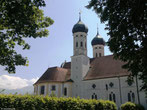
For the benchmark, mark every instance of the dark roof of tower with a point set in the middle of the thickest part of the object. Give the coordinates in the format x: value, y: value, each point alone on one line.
x: 97, y: 40
x: 80, y: 27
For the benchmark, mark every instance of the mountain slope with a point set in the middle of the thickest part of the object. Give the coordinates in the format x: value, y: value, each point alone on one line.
x: 28, y: 89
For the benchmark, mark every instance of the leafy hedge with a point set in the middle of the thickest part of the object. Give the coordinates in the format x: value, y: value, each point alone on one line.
x: 28, y: 102
x: 131, y: 106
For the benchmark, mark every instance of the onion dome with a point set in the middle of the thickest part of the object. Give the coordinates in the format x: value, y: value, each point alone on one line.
x: 80, y: 26
x: 97, y: 40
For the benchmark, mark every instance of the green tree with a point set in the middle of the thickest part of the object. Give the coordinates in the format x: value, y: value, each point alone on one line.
x: 126, y: 22
x: 20, y: 19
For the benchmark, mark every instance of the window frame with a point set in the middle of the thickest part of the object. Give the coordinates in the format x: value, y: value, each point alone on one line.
x: 112, y: 97
x: 76, y: 44
x: 96, y: 55
x: 42, y: 90
x: 100, y: 54
x: 131, y: 96
x: 65, y: 91
x: 81, y: 44
x: 94, y: 96
x: 53, y: 88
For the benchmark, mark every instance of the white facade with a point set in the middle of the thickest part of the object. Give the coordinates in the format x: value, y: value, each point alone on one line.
x: 85, y: 89
x: 120, y: 88
x: 98, y: 51
x: 80, y: 43
x: 54, y: 88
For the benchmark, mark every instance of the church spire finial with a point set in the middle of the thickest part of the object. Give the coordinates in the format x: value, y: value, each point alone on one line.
x: 80, y: 15
x: 97, y: 29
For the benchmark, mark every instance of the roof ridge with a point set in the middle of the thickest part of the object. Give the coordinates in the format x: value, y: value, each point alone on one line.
x: 62, y: 68
x: 52, y: 67
x: 102, y: 56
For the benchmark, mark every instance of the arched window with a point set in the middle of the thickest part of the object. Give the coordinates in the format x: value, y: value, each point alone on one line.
x: 42, y: 89
x: 112, y: 97
x: 106, y: 87
x: 53, y: 88
x: 81, y: 44
x: 76, y: 44
x: 100, y: 54
x: 131, y: 96
x: 96, y: 55
x: 65, y: 91
x: 94, y: 96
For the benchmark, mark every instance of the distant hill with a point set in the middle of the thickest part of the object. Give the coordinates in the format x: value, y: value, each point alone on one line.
x: 28, y: 89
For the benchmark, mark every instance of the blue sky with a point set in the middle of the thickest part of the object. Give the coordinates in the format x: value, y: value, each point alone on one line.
x: 58, y: 47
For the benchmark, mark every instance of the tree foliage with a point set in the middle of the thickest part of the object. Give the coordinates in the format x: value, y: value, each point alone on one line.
x: 131, y: 106
x: 126, y: 22
x: 20, y: 19
x: 38, y: 102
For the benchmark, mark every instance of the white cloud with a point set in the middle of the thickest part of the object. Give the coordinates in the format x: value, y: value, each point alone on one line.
x: 12, y: 82
x: 34, y: 80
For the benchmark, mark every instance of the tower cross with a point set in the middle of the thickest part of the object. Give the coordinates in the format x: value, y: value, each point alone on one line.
x: 80, y: 15
x: 97, y: 29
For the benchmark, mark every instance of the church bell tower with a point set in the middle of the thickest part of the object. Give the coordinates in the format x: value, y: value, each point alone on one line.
x: 80, y: 38
x: 98, y: 44
x: 79, y: 60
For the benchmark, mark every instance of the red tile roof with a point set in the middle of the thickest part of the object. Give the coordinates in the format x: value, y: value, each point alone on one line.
x: 55, y: 74
x: 105, y: 67
x: 101, y: 67
x: 67, y: 65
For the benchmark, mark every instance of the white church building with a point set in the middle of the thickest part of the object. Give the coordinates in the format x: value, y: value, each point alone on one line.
x: 100, y: 77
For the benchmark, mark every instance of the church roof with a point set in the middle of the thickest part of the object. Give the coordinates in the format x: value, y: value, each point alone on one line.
x: 105, y: 67
x: 100, y: 67
x: 67, y: 65
x: 55, y: 74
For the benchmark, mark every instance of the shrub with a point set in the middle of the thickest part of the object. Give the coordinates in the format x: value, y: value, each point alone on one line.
x: 30, y: 102
x: 139, y: 107
x: 131, y: 106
